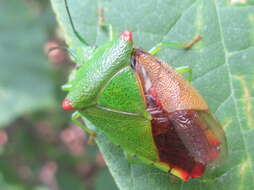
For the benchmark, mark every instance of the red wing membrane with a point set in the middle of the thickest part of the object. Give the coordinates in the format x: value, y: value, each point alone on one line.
x: 182, y: 139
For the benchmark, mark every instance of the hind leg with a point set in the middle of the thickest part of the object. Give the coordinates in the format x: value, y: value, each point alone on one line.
x: 162, y: 45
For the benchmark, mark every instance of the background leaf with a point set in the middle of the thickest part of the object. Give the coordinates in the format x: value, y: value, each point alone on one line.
x: 222, y: 63
x: 25, y: 79
x: 102, y: 177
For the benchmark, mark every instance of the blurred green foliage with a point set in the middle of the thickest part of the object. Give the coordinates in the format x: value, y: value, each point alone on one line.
x: 39, y: 149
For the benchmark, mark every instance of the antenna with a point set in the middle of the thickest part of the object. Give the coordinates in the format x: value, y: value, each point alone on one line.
x: 72, y: 25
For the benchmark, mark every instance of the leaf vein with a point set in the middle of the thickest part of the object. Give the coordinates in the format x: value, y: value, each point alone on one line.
x: 231, y: 82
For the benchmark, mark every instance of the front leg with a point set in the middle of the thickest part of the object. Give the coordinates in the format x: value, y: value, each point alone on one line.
x: 75, y: 116
x: 101, y: 22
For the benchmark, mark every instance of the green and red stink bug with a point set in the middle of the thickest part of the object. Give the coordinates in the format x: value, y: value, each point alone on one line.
x: 143, y: 105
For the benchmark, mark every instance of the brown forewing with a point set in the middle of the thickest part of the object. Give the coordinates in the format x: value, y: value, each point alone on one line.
x: 174, y: 92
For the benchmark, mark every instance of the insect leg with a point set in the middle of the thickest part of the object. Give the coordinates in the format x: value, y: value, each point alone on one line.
x: 75, y: 116
x: 66, y: 87
x: 71, y: 52
x: 185, y: 69
x: 101, y: 21
x: 132, y: 159
x: 162, y: 45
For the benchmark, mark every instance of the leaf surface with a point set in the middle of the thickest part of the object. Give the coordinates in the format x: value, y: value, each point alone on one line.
x: 223, y: 69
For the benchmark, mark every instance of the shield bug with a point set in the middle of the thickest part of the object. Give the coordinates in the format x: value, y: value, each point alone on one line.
x: 145, y: 106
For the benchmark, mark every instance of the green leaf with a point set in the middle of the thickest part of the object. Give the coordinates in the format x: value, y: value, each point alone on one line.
x: 223, y: 68
x: 103, y: 176
x: 25, y: 79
